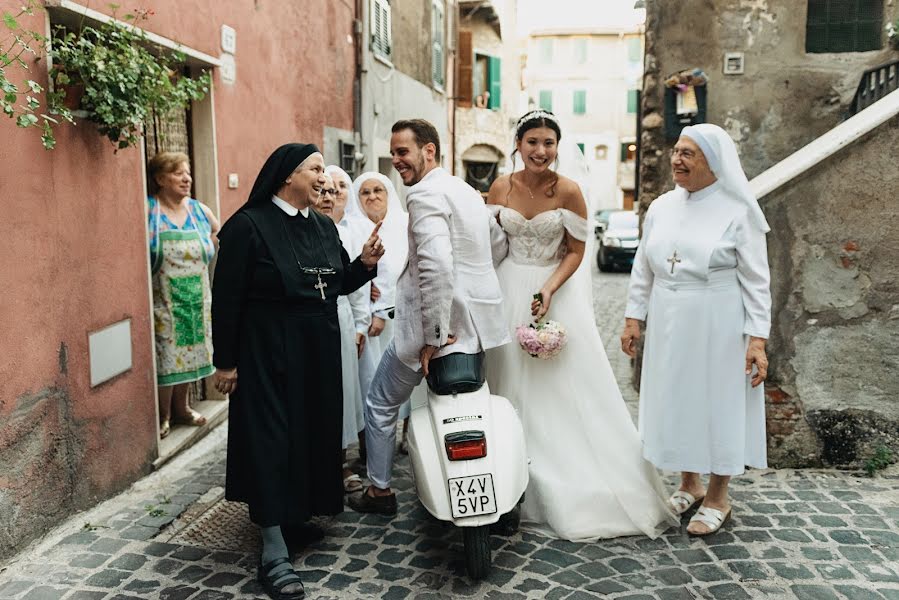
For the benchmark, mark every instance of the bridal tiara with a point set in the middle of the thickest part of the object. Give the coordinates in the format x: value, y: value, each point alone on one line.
x: 537, y: 114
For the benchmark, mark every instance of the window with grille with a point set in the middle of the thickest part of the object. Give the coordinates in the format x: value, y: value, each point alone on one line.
x: 348, y: 158
x: 580, y: 102
x: 546, y: 100
x: 844, y: 25
x: 381, y: 39
x: 438, y: 45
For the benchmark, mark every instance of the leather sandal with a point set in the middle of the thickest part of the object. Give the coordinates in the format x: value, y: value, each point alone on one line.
x: 164, y: 429
x: 274, y: 584
x: 193, y: 418
x: 711, y: 518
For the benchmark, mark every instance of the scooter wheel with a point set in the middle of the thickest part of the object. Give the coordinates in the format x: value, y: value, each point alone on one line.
x: 477, y: 551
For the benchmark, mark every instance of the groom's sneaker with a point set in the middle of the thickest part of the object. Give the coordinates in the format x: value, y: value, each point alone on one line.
x: 379, y: 505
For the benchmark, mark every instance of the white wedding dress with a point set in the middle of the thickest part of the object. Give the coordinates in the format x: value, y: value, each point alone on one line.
x: 588, y: 478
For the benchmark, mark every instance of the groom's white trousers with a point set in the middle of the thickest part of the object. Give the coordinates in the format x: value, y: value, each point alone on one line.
x: 392, y: 385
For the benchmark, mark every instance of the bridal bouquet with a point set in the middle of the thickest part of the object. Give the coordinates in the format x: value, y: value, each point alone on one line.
x: 542, y: 340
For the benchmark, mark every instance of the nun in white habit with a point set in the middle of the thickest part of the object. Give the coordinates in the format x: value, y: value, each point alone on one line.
x: 701, y: 282
x: 378, y: 200
x: 352, y: 311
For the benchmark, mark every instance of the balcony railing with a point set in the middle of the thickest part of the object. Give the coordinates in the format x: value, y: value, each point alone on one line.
x: 875, y: 84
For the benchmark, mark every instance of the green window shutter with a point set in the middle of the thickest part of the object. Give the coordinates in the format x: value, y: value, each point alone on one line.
x: 580, y: 102
x: 495, y: 77
x: 581, y: 148
x: 580, y: 51
x: 632, y: 101
x: 623, y: 152
x: 437, y: 30
x: 844, y: 25
x: 634, y: 51
x: 546, y: 100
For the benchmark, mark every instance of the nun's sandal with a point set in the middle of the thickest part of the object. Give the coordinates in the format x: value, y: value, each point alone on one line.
x: 681, y: 501
x: 274, y: 582
x: 711, y: 518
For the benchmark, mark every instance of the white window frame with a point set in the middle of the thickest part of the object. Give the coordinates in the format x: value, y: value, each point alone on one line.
x: 381, y: 38
x: 438, y: 45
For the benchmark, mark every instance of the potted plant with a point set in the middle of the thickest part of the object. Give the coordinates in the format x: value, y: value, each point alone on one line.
x: 124, y: 77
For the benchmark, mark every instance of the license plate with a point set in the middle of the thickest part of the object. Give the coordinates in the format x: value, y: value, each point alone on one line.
x: 472, y: 496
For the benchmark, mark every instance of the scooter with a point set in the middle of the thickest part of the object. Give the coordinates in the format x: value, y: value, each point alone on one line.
x: 468, y: 456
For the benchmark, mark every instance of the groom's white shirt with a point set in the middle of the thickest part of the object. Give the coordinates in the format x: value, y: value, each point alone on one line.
x: 449, y: 285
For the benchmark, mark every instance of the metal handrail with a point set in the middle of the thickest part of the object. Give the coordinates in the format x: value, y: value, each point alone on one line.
x: 874, y: 85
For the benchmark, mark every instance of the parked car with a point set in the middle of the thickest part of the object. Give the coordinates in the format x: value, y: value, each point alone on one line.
x: 601, y: 219
x: 619, y: 241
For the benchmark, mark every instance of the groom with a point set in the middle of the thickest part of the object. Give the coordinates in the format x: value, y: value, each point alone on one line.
x: 448, y: 297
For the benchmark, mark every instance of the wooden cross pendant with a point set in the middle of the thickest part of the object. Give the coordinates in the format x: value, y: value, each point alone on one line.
x: 321, y: 285
x: 673, y: 259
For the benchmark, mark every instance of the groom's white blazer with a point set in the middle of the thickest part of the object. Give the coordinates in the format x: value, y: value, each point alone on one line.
x: 449, y: 285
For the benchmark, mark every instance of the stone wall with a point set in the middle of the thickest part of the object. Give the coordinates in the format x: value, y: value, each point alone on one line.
x: 833, y: 394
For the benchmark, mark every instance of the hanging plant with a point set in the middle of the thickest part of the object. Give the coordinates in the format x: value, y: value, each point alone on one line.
x: 23, y: 103
x: 121, y: 77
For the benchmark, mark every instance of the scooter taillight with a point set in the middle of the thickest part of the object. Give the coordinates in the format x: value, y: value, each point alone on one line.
x: 465, y: 445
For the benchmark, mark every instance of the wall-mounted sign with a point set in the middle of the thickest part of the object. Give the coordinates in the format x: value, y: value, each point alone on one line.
x: 229, y: 40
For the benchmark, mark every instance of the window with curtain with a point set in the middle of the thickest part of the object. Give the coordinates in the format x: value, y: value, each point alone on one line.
x: 546, y: 100
x: 844, y: 26
x: 381, y: 39
x: 438, y: 70
x: 580, y: 102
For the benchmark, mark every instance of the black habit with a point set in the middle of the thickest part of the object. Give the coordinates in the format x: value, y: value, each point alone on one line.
x: 269, y: 321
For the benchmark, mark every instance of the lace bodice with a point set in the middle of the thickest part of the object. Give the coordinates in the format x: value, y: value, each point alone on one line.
x: 540, y: 240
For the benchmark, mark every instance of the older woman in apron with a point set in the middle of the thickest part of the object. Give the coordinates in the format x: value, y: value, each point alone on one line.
x: 180, y: 232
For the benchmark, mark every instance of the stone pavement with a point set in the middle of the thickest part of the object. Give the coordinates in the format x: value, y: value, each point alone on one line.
x: 816, y: 535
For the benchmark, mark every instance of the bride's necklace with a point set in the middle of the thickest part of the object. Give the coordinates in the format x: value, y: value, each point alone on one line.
x: 526, y: 187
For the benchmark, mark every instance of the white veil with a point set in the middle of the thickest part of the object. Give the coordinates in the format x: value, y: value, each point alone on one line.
x: 724, y: 160
x: 394, y: 232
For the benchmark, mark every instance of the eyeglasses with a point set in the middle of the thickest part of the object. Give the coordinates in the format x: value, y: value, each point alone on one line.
x: 331, y: 192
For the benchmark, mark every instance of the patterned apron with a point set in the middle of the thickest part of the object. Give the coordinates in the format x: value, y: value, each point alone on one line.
x: 182, y: 304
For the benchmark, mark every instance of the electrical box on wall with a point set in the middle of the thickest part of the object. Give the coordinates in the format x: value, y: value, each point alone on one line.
x: 733, y: 63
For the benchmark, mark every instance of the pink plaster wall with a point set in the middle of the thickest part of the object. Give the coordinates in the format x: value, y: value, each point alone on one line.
x: 73, y: 252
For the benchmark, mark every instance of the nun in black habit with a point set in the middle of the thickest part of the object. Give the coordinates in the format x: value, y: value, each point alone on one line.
x: 276, y: 340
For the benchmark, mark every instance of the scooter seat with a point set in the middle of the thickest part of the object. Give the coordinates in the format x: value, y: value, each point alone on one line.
x: 456, y: 373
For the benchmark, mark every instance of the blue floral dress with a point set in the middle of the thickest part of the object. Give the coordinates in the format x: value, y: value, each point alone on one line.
x: 182, y: 296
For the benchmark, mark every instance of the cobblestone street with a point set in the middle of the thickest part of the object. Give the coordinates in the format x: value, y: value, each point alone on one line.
x: 812, y: 535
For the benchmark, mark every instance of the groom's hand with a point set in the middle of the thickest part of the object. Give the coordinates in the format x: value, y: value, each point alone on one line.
x: 428, y: 351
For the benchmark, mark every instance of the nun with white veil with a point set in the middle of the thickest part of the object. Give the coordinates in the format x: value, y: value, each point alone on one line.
x: 352, y: 311
x: 701, y: 283
x: 378, y: 200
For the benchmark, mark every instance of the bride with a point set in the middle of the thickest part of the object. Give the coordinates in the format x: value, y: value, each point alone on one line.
x: 588, y: 479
